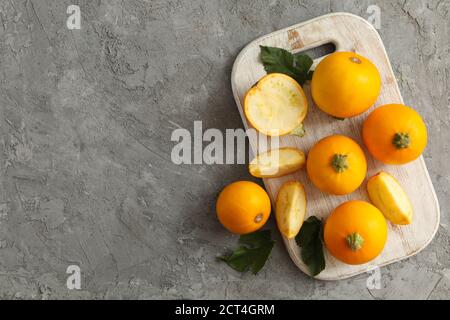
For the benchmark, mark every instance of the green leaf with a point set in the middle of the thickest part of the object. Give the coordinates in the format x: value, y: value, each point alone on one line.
x: 239, y: 260
x: 308, y: 231
x: 260, y: 257
x: 313, y: 257
x: 255, y: 239
x: 253, y: 252
x: 310, y: 240
x: 302, y: 65
x: 277, y: 60
x: 282, y: 61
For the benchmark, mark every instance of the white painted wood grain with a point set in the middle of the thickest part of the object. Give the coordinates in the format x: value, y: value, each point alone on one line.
x: 349, y: 33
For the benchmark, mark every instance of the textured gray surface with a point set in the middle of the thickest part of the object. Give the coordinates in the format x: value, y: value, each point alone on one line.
x: 85, y: 124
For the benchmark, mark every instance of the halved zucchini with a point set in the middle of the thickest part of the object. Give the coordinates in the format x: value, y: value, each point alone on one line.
x: 277, y: 162
x: 290, y: 208
x: 389, y: 197
x: 276, y: 105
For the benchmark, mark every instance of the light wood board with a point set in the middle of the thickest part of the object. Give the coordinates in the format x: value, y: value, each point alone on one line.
x: 349, y: 33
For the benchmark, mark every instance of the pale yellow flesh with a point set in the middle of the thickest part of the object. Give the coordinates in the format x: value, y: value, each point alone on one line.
x: 389, y: 197
x: 290, y: 208
x: 276, y: 105
x: 277, y: 163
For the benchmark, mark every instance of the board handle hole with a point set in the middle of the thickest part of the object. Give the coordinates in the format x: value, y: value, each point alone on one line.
x: 319, y: 51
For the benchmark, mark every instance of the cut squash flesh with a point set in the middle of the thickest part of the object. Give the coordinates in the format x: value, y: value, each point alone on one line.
x: 390, y: 198
x: 276, y: 105
x: 290, y: 208
x: 277, y: 163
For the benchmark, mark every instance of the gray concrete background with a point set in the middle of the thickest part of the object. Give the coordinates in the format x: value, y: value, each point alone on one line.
x: 85, y: 124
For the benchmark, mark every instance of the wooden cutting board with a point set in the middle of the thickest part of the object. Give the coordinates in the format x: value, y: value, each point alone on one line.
x: 349, y: 33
